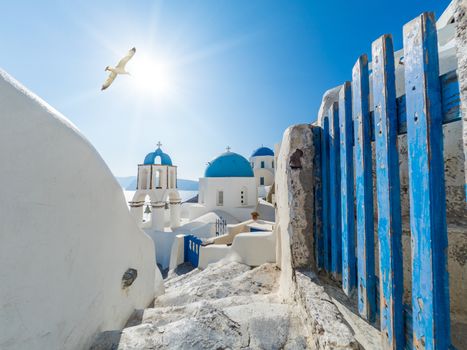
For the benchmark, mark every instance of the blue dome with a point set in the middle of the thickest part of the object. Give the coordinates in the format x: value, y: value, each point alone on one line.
x: 229, y: 164
x: 263, y: 151
x: 152, y: 157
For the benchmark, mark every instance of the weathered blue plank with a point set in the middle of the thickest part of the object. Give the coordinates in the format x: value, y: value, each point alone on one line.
x: 318, y: 199
x: 450, y: 103
x: 430, y: 287
x: 388, y: 193
x: 325, y: 194
x: 450, y: 98
x: 349, y: 272
x: 364, y: 190
x: 334, y: 191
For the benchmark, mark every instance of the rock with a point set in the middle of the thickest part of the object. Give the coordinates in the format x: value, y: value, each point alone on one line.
x: 221, y: 307
x: 460, y: 15
x: 294, y: 196
x: 327, y: 326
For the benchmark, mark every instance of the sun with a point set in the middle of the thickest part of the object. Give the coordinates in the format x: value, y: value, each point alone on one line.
x: 152, y: 76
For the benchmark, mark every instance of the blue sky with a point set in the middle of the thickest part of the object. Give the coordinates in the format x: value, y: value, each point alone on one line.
x: 231, y: 73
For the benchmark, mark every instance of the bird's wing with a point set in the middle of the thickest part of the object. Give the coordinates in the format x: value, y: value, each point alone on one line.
x: 109, y: 80
x: 125, y: 59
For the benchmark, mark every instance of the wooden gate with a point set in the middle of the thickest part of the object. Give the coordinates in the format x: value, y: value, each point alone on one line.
x: 344, y: 208
x: 192, y: 244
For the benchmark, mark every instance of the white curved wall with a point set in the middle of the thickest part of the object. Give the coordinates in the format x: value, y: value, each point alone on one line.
x: 66, y: 233
x: 249, y: 248
x: 255, y: 248
x: 214, y: 253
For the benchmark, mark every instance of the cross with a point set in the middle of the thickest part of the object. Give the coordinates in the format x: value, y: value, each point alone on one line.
x: 228, y: 148
x: 159, y: 144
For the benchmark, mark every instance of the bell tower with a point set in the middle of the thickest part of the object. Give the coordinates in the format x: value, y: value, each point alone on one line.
x: 157, y: 179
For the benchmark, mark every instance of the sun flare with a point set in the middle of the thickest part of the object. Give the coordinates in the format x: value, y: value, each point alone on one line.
x: 152, y: 76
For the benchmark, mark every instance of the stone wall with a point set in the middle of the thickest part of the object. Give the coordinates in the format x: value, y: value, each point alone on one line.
x: 460, y: 16
x: 294, y: 196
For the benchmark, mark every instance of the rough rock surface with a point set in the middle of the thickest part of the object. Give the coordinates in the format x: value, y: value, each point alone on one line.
x: 294, y: 196
x: 461, y: 41
x: 234, y: 307
x: 222, y: 307
x: 328, y: 327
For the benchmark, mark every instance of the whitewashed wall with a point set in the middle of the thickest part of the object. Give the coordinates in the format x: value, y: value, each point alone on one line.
x: 231, y: 187
x: 65, y: 231
x: 267, y: 174
x: 268, y: 162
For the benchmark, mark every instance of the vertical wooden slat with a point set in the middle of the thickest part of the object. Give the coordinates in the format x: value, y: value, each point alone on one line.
x: 363, y: 190
x: 318, y: 199
x: 388, y: 194
x: 349, y: 273
x: 430, y: 288
x: 325, y: 193
x: 334, y: 191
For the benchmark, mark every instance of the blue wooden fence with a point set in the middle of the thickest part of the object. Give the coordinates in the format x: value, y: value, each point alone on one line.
x: 192, y: 244
x: 344, y: 210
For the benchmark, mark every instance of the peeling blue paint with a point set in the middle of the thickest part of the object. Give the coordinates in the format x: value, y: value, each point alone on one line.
x: 318, y: 199
x: 430, y: 287
x: 363, y: 190
x: 388, y: 193
x: 429, y: 102
x: 334, y: 192
x: 349, y: 273
x: 326, y: 198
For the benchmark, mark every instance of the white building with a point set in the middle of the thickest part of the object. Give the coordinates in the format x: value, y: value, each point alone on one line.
x: 67, y: 239
x: 262, y: 163
x: 228, y: 186
x: 157, y: 187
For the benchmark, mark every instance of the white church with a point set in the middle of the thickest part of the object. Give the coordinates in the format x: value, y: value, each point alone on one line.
x: 229, y: 192
x: 228, y: 186
x: 231, y: 186
x: 157, y: 181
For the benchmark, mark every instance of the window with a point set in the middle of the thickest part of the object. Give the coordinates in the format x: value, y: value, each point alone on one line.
x: 262, y: 164
x: 243, y: 196
x: 261, y: 181
x: 220, y: 198
x: 158, y: 179
x: 273, y: 164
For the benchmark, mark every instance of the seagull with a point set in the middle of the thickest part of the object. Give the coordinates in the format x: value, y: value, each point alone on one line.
x: 119, y: 69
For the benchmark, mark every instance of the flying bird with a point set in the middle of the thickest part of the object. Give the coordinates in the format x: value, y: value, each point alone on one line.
x: 119, y: 69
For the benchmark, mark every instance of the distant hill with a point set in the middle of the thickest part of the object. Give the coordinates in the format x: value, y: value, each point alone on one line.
x: 126, y: 181
x: 129, y: 183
